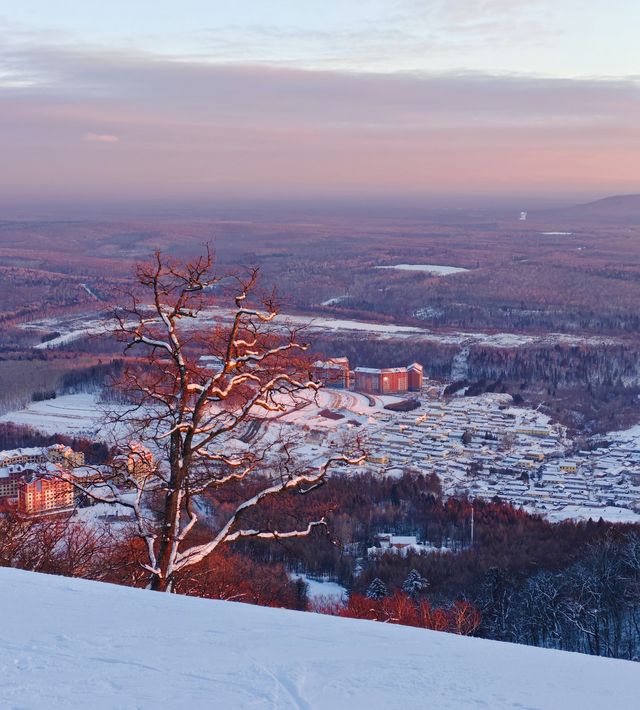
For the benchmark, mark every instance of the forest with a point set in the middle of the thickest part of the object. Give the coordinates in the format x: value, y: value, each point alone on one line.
x: 572, y: 586
x: 578, y: 280
x: 521, y: 277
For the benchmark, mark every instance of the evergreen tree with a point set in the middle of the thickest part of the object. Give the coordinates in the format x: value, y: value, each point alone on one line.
x: 377, y: 590
x: 415, y: 584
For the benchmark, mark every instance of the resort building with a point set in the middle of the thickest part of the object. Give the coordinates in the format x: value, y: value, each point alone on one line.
x: 38, y: 495
x: 332, y: 373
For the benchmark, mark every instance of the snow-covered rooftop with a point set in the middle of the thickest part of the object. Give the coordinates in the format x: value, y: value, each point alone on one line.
x: 71, y: 643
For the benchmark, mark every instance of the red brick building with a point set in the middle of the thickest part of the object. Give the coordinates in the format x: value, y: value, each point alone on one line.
x: 388, y: 380
x: 394, y: 379
x: 415, y: 372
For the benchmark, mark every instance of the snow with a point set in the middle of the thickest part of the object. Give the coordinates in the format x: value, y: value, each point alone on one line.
x: 73, y: 414
x: 386, y: 330
x: 338, y: 324
x: 115, y: 515
x: 89, y: 291
x: 460, y: 364
x: 75, y: 644
x: 437, y: 269
x: 322, y: 590
x: 610, y: 513
x: 629, y: 437
x: 84, y: 325
x: 334, y: 301
x: 353, y: 405
x: 82, y: 330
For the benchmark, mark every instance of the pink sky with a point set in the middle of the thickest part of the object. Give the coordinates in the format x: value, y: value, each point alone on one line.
x: 105, y: 124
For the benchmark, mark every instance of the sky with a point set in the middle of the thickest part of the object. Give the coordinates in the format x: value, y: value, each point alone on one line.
x: 202, y: 99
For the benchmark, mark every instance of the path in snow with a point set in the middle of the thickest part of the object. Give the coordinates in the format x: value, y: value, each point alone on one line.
x: 460, y: 364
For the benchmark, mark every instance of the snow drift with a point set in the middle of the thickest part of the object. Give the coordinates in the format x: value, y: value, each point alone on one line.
x: 77, y: 644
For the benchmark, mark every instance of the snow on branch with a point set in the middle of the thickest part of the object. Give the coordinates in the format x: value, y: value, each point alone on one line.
x: 189, y: 415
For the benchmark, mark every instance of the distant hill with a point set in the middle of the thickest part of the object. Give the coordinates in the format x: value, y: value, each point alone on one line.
x: 618, y: 209
x: 71, y: 643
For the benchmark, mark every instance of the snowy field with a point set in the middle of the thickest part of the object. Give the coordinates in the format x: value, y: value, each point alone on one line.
x: 72, y: 414
x: 436, y: 269
x: 334, y: 301
x: 71, y: 327
x: 627, y: 437
x: 70, y: 643
x: 80, y: 326
x: 386, y: 331
x: 352, y: 405
x: 322, y: 591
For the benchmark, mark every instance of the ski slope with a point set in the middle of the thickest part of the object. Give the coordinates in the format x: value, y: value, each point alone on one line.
x: 70, y: 643
x: 71, y: 414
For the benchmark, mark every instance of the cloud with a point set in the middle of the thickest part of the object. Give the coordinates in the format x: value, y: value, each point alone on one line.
x: 473, y: 22
x: 101, y: 138
x: 198, y: 129
x: 208, y: 91
x: 369, y: 35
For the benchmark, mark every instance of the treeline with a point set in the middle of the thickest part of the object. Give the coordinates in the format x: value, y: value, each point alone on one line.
x: 359, y: 507
x: 560, y: 365
x: 64, y: 546
x: 461, y: 617
x: 592, y: 606
x: 89, y: 379
x: 590, y: 570
x: 50, y: 374
x: 520, y: 296
x: 29, y: 293
x: 592, y: 365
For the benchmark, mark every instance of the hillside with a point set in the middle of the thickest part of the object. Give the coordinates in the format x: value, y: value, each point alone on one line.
x: 77, y: 644
x: 617, y: 209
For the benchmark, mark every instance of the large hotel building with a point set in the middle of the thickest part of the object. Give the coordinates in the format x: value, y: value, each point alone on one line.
x: 388, y: 380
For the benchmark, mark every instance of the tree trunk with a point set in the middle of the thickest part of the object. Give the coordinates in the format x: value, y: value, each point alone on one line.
x: 162, y: 582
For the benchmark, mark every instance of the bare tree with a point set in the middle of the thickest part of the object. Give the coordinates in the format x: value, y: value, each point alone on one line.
x: 196, y: 415
x: 55, y: 545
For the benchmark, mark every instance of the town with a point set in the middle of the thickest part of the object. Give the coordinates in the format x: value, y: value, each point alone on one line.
x: 320, y: 354
x: 484, y: 446
x: 479, y: 446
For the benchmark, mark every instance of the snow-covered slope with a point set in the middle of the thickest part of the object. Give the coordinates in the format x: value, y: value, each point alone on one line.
x: 69, y: 643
